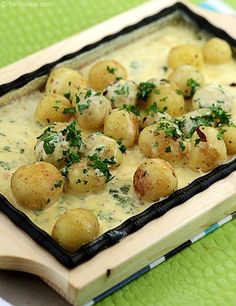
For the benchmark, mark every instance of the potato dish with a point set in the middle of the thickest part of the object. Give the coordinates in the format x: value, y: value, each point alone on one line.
x: 102, y: 143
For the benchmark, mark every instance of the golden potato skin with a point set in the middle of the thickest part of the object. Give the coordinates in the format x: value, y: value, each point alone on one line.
x: 36, y: 186
x: 217, y: 51
x: 75, y: 228
x: 92, y: 109
x: 230, y: 138
x: 207, y: 151
x: 183, y: 75
x: 154, y: 178
x: 121, y: 92
x: 154, y: 143
x: 121, y: 124
x: 168, y: 98
x: 185, y: 55
x: 105, y: 147
x: 149, y: 118
x: 65, y: 81
x: 82, y: 178
x: 106, y: 72
x: 50, y: 109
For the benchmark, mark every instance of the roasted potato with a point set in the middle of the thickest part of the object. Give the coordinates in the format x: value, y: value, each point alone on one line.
x: 53, y: 108
x: 185, y: 55
x: 212, y: 95
x: 207, y: 150
x: 37, y: 186
x: 121, y: 92
x: 168, y: 98
x: 188, y: 78
x: 217, y: 51
x: 75, y: 228
x: 92, y: 108
x: 120, y: 124
x: 106, y: 72
x: 163, y: 140
x: 65, y: 81
x: 154, y: 178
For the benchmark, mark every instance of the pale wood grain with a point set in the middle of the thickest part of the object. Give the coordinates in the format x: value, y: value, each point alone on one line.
x: 19, y: 252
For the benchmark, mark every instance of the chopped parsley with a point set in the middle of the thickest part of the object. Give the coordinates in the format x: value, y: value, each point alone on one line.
x: 197, y: 141
x: 67, y: 95
x: 168, y: 149
x: 122, y: 91
x: 58, y: 184
x: 111, y: 70
x: 48, y: 138
x: 144, y: 90
x: 193, y: 85
x: 69, y: 110
x: 131, y: 108
x: 73, y: 135
x: 220, y: 135
x: 121, y: 146
x: 5, y: 165
x: 102, y: 166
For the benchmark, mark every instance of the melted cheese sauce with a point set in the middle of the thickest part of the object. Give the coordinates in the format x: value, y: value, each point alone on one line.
x: 143, y: 59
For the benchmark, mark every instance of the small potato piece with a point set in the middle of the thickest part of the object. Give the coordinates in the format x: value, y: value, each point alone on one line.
x: 121, y: 92
x: 82, y: 178
x: 168, y: 98
x: 121, y: 124
x: 217, y: 51
x: 92, y: 108
x: 207, y: 151
x: 184, y: 76
x: 65, y: 81
x: 105, y: 147
x: 156, y: 141
x: 154, y: 178
x: 212, y: 95
x: 230, y: 138
x: 185, y: 55
x: 36, y: 186
x: 51, y: 109
x: 75, y: 228
x: 153, y: 115
x: 191, y: 120
x: 53, y: 145
x: 104, y: 73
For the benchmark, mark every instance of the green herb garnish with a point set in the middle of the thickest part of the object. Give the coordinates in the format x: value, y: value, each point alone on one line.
x: 144, y: 90
x: 121, y: 146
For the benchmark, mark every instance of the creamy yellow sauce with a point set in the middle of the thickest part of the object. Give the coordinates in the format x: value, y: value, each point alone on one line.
x: 143, y: 59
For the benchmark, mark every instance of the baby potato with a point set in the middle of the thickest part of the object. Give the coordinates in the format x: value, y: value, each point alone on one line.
x: 74, y: 228
x: 92, y: 108
x: 65, y: 81
x: 212, y: 95
x: 105, y: 147
x: 163, y: 140
x: 188, y: 78
x: 207, y: 151
x: 83, y: 177
x: 152, y: 115
x: 121, y: 92
x: 120, y: 124
x: 53, y: 145
x: 217, y: 51
x: 154, y: 178
x: 168, y: 98
x: 37, y: 186
x: 185, y: 55
x: 52, y: 109
x: 192, y: 120
x: 229, y: 133
x: 106, y: 72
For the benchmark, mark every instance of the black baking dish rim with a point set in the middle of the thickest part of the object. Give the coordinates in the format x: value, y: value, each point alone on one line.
x: 156, y: 210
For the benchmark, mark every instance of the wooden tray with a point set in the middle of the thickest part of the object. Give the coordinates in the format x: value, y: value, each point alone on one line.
x: 79, y: 285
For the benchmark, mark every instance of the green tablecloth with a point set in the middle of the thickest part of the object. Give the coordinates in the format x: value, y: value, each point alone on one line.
x: 203, y: 274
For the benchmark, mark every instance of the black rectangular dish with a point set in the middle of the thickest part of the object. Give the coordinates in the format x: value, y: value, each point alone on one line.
x: 157, y: 209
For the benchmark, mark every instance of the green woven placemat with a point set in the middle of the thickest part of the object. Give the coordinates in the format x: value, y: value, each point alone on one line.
x: 203, y: 274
